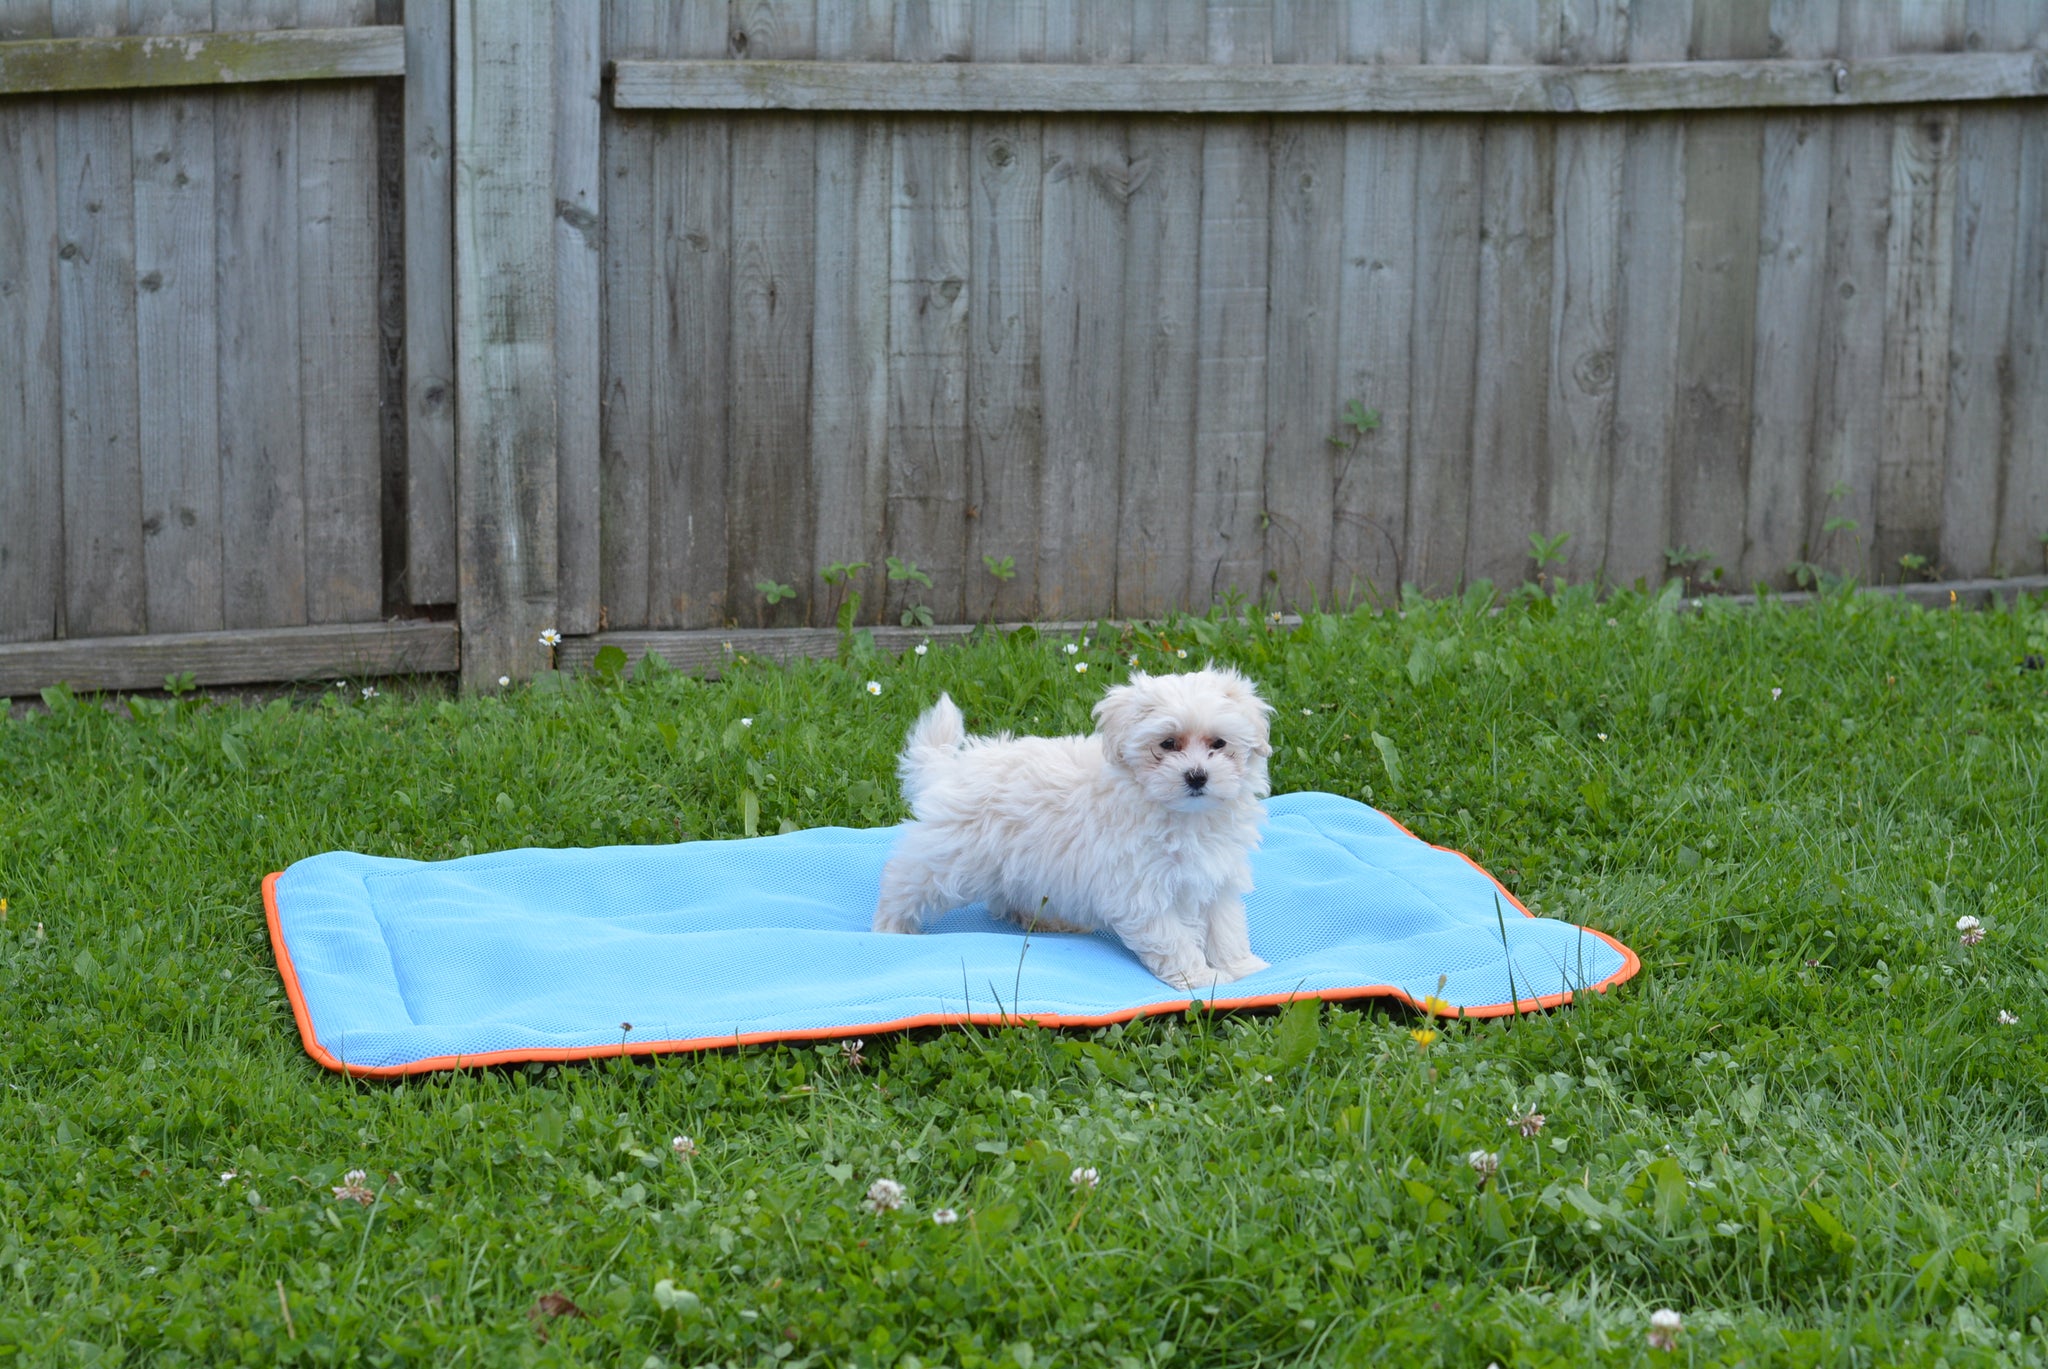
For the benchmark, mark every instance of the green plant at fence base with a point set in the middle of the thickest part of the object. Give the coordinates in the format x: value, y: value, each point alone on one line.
x: 906, y: 572
x: 774, y: 592
x: 1004, y: 569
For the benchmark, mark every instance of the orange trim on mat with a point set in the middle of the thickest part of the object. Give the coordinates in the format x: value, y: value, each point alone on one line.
x: 1630, y: 965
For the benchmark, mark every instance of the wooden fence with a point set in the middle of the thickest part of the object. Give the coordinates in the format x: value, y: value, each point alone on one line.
x: 1064, y: 304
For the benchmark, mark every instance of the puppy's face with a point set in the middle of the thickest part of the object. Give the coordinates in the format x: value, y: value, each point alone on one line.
x: 1191, y: 741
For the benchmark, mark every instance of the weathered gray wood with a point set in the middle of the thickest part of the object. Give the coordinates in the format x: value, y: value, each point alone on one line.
x: 2022, y: 544
x: 504, y: 334
x: 177, y: 353
x: 1510, y: 400
x: 141, y: 62
x: 930, y: 254
x: 633, y: 384
x: 349, y: 651
x: 1650, y: 246
x: 430, y: 301
x: 1584, y: 304
x: 1919, y: 265
x: 687, y: 513
x: 103, y: 569
x: 579, y: 310
x: 774, y: 262
x: 1160, y: 290
x: 963, y: 87
x: 31, y: 419
x: 338, y: 340
x: 1228, y: 481
x: 1375, y: 320
x: 1717, y: 303
x: 1089, y: 179
x: 1006, y: 406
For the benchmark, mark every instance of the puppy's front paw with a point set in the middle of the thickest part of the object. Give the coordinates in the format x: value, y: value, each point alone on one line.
x: 1246, y: 964
x: 1186, y: 971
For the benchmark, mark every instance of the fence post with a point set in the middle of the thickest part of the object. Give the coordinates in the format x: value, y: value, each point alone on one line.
x: 505, y: 336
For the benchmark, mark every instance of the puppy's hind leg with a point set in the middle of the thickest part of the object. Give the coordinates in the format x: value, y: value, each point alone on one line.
x: 909, y: 895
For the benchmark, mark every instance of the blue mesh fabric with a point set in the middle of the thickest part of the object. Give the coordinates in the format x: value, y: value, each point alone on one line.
x: 401, y: 961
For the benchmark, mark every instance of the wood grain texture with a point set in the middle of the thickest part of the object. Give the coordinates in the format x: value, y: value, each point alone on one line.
x: 2022, y: 538
x: 1005, y: 341
x: 849, y: 397
x: 262, y: 455
x: 1376, y: 288
x: 579, y: 311
x: 430, y: 302
x: 338, y: 339
x: 690, y: 353
x: 31, y: 415
x: 1449, y: 164
x: 103, y: 565
x: 1089, y: 181
x: 504, y: 337
x: 1227, y: 551
x: 350, y: 651
x: 177, y: 352
x: 1503, y: 88
x: 1159, y: 323
x: 1650, y: 243
x: 768, y: 494
x: 146, y: 62
x: 930, y: 253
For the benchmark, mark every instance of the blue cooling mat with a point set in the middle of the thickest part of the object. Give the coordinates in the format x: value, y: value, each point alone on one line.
x: 398, y: 966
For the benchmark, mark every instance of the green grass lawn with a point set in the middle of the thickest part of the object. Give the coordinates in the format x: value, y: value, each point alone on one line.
x: 1803, y: 1125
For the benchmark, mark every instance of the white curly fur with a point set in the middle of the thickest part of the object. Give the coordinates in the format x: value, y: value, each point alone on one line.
x: 1144, y: 829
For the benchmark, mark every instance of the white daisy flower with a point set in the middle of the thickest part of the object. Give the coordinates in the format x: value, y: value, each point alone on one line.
x: 550, y: 637
x: 874, y: 686
x: 1080, y: 667
x: 1072, y: 649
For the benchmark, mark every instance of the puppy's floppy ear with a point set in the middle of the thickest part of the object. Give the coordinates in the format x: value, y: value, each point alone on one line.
x: 1119, y: 710
x: 1245, y: 694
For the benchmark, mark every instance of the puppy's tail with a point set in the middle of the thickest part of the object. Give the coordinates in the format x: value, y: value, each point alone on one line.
x: 937, y: 735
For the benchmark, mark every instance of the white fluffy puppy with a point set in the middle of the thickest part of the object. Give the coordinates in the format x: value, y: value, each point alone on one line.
x: 1144, y: 829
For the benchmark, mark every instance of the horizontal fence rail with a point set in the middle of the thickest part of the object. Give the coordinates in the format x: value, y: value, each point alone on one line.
x: 51, y: 66
x: 1054, y: 88
x: 250, y: 656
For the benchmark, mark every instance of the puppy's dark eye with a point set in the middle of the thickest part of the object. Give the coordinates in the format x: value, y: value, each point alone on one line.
x: 1216, y: 743
x: 1170, y: 744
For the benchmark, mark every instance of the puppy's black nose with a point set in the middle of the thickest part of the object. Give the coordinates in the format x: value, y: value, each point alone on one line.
x: 1196, y: 779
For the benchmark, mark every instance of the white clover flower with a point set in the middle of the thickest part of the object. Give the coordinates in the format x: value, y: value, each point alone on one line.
x: 683, y: 1146
x: 1308, y: 712
x: 1613, y: 623
x: 550, y: 637
x: 923, y: 647
x: 369, y: 691
x: 1971, y: 928
x: 884, y: 1195
x: 874, y: 686
x: 1080, y: 667
x: 1665, y: 1325
x: 1530, y: 1122
x: 504, y: 680
x: 354, y: 1188
x: 746, y: 722
x: 1485, y: 1164
x: 1775, y: 692
x: 2008, y: 1019
x: 945, y: 1216
x: 227, y: 1176
x: 1072, y: 649
x: 1084, y: 641
x: 1084, y: 1178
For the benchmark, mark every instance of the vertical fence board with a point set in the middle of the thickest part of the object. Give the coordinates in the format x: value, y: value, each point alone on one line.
x: 1449, y: 165
x: 849, y: 397
x: 1584, y: 303
x: 686, y: 508
x: 2022, y: 546
x: 1159, y: 328
x: 1717, y: 302
x: 504, y: 336
x: 1228, y: 480
x: 262, y: 458
x: 579, y: 226
x: 338, y: 337
x: 930, y: 255
x: 1919, y: 262
x: 429, y: 302
x: 31, y: 415
x: 774, y: 212
x: 1005, y: 396
x: 1649, y: 243
x: 177, y: 353
x: 1086, y: 197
